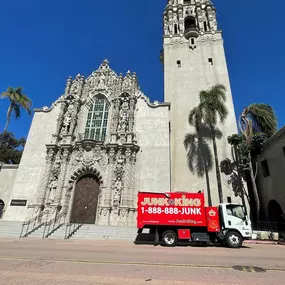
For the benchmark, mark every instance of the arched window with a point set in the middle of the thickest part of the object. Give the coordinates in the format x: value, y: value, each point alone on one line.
x: 97, y: 119
x: 190, y: 23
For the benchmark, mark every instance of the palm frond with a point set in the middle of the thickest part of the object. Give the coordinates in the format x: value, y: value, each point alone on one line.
x: 19, y: 90
x: 218, y: 133
x: 18, y: 100
x: 195, y: 116
x: 16, y: 110
x: 222, y: 112
x: 218, y: 91
x: 199, y: 156
x: 203, y: 95
x: 264, y: 117
x: 204, y: 132
x: 25, y: 103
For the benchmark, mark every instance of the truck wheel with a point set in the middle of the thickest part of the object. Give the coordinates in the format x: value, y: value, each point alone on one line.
x: 169, y: 238
x: 233, y: 240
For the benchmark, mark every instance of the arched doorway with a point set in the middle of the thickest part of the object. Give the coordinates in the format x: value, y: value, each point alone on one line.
x: 85, y: 201
x: 2, y: 205
x: 275, y: 211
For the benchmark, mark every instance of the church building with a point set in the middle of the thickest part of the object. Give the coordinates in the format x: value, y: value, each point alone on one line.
x: 102, y: 141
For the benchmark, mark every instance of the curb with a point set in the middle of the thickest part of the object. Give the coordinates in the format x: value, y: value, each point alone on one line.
x: 263, y: 242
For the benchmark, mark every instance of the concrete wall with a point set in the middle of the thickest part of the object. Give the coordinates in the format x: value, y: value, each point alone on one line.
x: 272, y: 187
x: 7, y: 179
x: 32, y: 164
x: 153, y: 160
x: 182, y: 87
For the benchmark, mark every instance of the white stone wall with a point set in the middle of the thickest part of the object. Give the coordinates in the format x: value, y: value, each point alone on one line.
x: 182, y: 87
x: 7, y: 178
x: 153, y: 159
x: 32, y: 165
x: 273, y: 186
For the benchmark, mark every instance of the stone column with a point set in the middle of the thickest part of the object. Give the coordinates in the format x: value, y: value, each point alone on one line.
x: 61, y: 178
x: 68, y: 85
x: 128, y: 207
x: 59, y: 123
x: 74, y: 117
x: 106, y: 199
x: 67, y: 196
x: 60, y: 118
x: 131, y: 114
x: 127, y: 179
x: 115, y: 118
x: 45, y: 177
x: 127, y: 200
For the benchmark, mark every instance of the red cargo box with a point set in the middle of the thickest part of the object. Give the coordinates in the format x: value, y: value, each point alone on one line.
x: 171, y: 209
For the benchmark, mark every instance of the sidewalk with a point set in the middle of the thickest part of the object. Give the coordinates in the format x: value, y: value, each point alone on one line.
x: 255, y: 241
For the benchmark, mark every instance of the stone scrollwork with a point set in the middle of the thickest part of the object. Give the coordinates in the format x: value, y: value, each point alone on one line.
x: 77, y: 86
x: 105, y: 80
x: 88, y: 154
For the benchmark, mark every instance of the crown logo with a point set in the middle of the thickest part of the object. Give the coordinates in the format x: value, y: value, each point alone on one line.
x: 212, y: 213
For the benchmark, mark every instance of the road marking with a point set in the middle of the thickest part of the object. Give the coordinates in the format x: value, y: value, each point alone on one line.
x: 194, y: 266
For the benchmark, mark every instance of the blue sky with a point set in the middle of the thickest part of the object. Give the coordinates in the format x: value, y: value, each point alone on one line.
x: 43, y: 42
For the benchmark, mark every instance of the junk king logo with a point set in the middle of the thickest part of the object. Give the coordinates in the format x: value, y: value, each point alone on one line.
x: 183, y: 201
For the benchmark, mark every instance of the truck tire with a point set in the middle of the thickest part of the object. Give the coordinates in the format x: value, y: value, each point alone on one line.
x: 169, y: 238
x: 233, y: 239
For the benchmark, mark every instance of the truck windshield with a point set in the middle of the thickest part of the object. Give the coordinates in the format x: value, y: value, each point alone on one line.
x: 236, y: 211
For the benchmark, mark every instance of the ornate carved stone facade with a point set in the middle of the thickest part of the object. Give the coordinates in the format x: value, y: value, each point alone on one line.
x: 73, y: 152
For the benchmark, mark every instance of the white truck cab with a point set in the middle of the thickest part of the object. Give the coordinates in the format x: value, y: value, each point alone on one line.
x: 235, y: 225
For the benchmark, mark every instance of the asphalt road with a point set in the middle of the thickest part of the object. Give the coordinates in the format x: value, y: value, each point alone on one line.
x: 40, y: 262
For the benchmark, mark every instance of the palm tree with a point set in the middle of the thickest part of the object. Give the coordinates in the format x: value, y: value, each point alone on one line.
x: 210, y: 111
x: 18, y: 100
x: 199, y: 155
x: 259, y: 118
x: 254, y: 119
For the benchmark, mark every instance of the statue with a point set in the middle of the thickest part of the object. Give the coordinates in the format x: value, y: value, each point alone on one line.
x: 66, y: 124
x: 166, y: 32
x: 123, y: 124
x: 52, y: 189
x: 101, y: 82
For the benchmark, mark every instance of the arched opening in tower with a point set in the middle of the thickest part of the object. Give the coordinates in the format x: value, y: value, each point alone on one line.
x: 190, y: 23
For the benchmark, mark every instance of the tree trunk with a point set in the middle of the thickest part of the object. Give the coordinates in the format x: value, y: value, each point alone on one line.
x: 218, y: 174
x: 237, y: 159
x: 254, y: 189
x: 9, y: 112
x: 208, y: 184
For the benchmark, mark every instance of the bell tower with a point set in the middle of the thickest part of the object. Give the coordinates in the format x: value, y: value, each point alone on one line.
x: 194, y: 60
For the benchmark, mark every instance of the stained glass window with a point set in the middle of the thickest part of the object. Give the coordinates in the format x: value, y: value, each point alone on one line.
x: 97, y: 119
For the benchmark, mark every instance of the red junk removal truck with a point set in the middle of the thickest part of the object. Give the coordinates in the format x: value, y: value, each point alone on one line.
x: 182, y: 216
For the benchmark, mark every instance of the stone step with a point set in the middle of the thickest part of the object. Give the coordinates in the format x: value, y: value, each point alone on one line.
x: 90, y: 232
x: 59, y: 233
x: 10, y: 229
x: 102, y: 233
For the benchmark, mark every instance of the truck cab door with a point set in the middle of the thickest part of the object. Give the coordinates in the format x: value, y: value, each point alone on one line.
x: 235, y: 218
